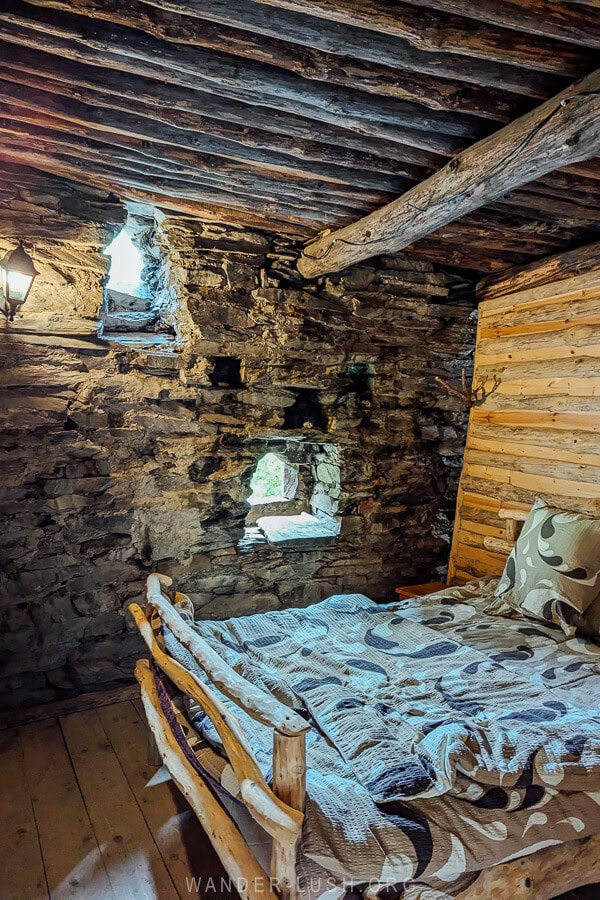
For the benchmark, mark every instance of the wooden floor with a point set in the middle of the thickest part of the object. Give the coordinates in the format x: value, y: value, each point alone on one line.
x: 82, y: 815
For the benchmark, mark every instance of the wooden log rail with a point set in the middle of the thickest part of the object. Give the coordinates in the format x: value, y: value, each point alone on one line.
x: 279, y: 810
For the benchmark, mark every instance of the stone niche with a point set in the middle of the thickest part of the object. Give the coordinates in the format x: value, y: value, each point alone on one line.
x: 123, y: 457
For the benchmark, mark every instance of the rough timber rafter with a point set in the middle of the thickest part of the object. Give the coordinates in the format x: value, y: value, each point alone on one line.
x: 312, y: 64
x: 561, y: 131
x: 356, y: 43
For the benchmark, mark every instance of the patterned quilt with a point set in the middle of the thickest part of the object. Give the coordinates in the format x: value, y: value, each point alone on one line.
x: 444, y: 739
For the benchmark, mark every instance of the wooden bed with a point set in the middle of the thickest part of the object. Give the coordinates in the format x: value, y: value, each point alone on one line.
x: 278, y: 810
x: 533, y: 431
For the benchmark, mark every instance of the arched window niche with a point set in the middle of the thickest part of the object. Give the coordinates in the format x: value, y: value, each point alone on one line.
x: 295, y: 495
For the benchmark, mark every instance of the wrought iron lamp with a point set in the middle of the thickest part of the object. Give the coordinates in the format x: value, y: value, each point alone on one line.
x: 17, y: 272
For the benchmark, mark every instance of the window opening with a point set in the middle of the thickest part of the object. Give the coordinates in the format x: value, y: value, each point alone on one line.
x: 274, y: 481
x: 294, y: 496
x: 126, y: 266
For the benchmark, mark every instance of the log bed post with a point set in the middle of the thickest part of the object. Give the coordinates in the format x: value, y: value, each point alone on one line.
x: 289, y: 784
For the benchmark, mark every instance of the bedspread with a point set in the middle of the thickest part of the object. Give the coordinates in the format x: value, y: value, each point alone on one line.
x: 445, y: 740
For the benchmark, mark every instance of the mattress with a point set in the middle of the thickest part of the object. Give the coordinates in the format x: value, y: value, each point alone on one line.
x: 474, y: 802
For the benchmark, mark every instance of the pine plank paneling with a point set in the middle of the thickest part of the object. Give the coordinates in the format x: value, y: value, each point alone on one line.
x: 537, y: 430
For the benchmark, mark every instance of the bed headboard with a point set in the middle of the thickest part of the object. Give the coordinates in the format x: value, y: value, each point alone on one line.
x: 534, y: 429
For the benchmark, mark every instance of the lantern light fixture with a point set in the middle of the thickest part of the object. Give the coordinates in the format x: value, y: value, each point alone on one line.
x: 17, y: 273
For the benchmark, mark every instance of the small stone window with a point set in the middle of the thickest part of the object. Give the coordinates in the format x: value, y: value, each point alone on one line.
x: 295, y: 494
x: 126, y: 267
x: 274, y: 481
x: 130, y: 301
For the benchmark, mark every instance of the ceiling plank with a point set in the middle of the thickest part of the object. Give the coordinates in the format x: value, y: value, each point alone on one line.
x: 358, y: 43
x: 253, y: 125
x: 125, y: 48
x: 547, y: 18
x: 315, y: 65
x: 231, y: 178
x: 209, y: 204
x: 431, y: 31
x: 109, y: 121
x: 561, y: 131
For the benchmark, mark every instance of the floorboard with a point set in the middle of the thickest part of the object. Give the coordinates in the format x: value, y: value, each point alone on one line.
x: 84, y: 817
x: 133, y: 861
x: 183, y: 844
x: 22, y: 875
x: 72, y: 858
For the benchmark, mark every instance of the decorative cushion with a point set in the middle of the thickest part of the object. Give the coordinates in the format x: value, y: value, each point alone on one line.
x: 589, y: 622
x: 553, y: 571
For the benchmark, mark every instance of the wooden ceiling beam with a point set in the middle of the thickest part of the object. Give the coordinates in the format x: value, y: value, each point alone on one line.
x: 436, y: 32
x: 546, y: 18
x: 233, y: 179
x: 358, y: 43
x: 66, y: 34
x: 315, y: 65
x: 185, y: 197
x: 254, y: 125
x: 557, y: 198
x: 561, y: 131
x: 181, y: 145
x: 202, y: 210
x: 210, y: 93
x: 162, y: 154
x: 84, y: 142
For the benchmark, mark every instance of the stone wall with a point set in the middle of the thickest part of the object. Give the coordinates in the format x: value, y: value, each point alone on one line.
x: 118, y: 458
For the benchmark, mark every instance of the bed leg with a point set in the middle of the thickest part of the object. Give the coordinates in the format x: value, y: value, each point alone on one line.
x: 154, y: 755
x: 289, y: 784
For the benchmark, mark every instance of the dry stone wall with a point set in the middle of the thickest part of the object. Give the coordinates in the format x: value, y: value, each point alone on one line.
x: 121, y: 458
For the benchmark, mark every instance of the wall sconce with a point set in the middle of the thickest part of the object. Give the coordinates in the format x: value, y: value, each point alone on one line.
x: 18, y: 272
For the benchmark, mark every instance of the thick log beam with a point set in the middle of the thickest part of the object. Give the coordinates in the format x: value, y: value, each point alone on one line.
x: 560, y: 132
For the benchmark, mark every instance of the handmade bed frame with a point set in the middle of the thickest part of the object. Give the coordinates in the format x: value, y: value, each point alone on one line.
x: 279, y: 809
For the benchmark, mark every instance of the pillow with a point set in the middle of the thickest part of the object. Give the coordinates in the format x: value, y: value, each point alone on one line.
x: 588, y: 623
x: 553, y: 571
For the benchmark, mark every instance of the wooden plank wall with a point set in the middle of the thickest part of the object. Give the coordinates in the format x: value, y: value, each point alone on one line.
x: 536, y: 430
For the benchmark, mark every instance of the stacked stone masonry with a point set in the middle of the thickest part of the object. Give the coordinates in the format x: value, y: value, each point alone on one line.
x: 118, y: 459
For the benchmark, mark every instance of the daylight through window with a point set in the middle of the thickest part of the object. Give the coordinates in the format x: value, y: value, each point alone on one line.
x: 126, y: 265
